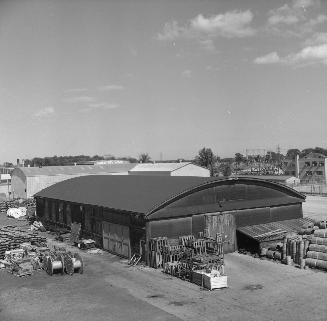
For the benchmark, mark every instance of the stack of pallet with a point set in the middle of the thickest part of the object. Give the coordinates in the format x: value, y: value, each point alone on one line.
x: 317, y: 253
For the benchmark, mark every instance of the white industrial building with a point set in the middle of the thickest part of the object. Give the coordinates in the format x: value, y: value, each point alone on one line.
x: 170, y: 169
x: 26, y: 181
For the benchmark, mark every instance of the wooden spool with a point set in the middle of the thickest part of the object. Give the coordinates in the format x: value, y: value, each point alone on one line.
x: 54, y: 264
x: 73, y: 263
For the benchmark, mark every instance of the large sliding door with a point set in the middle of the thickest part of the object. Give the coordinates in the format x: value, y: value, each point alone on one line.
x: 116, y: 239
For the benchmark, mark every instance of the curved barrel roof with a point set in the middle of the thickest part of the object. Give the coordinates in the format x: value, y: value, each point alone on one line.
x: 146, y: 194
x: 74, y: 170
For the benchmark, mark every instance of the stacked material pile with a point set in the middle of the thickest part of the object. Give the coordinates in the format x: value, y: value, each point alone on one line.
x: 11, y: 237
x: 190, y: 259
x: 30, y: 205
x: 25, y: 260
x: 317, y: 253
x: 291, y: 251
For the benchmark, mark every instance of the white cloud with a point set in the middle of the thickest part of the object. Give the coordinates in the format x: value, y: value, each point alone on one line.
x: 45, y: 112
x: 232, y: 24
x: 187, y: 73
x: 99, y: 106
x: 308, y: 55
x: 75, y: 90
x: 317, y: 39
x: 303, y: 4
x: 295, y: 19
x: 172, y: 31
x: 270, y: 58
x: 78, y: 99
x: 110, y: 87
x: 229, y: 24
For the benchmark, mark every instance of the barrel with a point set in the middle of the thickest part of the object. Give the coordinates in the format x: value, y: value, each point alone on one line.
x: 270, y: 254
x: 284, y: 250
x: 318, y: 248
x: 317, y: 255
x: 263, y: 251
x: 319, y: 240
x: 288, y: 260
x: 293, y: 253
x: 320, y: 233
x: 306, y: 247
x: 278, y: 256
x: 316, y: 263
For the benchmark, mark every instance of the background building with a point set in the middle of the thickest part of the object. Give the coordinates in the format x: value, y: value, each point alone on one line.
x: 26, y: 181
x: 170, y: 169
x: 311, y: 169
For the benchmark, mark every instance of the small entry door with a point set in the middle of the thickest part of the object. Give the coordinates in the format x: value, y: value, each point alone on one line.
x: 223, y: 224
x: 116, y: 239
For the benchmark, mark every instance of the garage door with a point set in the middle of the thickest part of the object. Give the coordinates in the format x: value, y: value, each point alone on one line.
x: 116, y: 239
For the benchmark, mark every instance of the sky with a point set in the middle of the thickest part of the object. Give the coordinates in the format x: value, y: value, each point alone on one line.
x: 162, y: 77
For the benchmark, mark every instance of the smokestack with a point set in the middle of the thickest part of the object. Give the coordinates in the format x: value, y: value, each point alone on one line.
x: 297, y: 167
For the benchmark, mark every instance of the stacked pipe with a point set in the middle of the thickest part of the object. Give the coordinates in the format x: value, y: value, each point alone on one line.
x: 317, y: 254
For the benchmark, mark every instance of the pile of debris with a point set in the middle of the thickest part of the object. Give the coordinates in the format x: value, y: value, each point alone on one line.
x: 29, y: 204
x: 11, y: 237
x: 25, y: 260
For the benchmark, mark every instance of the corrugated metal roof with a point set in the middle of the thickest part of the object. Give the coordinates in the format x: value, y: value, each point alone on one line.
x: 141, y: 194
x: 158, y: 167
x: 274, y: 230
x: 74, y: 170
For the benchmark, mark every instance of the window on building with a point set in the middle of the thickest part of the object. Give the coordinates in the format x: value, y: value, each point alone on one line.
x: 321, y: 164
x: 314, y: 163
x: 307, y: 164
x: 308, y: 173
x: 319, y: 172
x: 293, y: 173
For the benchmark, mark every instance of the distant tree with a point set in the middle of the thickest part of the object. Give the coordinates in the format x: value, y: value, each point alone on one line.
x: 239, y: 158
x: 320, y: 150
x: 227, y: 171
x: 144, y: 158
x: 206, y: 159
x: 8, y: 164
x: 291, y: 153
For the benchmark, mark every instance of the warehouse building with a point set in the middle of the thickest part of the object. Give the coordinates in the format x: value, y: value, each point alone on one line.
x: 26, y: 181
x: 122, y: 213
x: 170, y: 169
x: 282, y: 179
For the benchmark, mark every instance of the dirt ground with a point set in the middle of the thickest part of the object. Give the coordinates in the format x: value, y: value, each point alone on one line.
x: 109, y: 290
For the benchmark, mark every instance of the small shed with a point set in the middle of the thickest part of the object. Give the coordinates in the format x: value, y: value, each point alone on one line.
x: 26, y: 181
x: 121, y: 211
x: 170, y: 169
